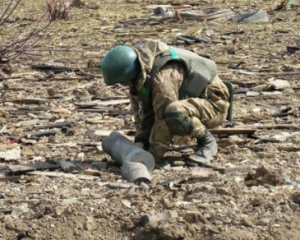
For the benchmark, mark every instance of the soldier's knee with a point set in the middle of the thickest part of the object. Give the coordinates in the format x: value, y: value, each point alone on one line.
x: 178, y: 121
x: 174, y: 107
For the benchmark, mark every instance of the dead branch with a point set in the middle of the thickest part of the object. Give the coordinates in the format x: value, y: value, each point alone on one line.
x: 58, y: 9
x: 12, y: 5
x: 24, y: 42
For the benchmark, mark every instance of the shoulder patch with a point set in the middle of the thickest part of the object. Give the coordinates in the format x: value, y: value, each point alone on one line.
x: 173, y: 54
x: 145, y: 91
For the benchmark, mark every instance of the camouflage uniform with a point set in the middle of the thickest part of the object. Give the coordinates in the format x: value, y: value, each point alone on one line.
x: 209, y: 110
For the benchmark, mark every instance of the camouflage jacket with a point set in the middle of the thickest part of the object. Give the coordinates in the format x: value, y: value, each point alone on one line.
x: 148, y: 105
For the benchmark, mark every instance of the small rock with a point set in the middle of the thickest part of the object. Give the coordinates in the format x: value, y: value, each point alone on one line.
x: 126, y: 203
x: 264, y: 222
x: 19, y: 211
x: 90, y: 224
x: 179, y: 163
x: 194, y: 217
x: 252, y: 94
x: 60, y: 210
x: 256, y: 110
x: 223, y: 191
x: 80, y: 157
x: 238, y: 179
x: 294, y: 206
x: 246, y: 222
x: 98, y: 165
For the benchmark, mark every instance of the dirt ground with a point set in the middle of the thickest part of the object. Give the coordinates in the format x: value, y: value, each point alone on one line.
x: 259, y: 203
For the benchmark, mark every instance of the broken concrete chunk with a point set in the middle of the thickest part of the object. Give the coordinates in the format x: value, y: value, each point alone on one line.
x: 278, y: 84
x: 252, y: 94
x: 262, y: 175
x: 80, y: 157
x: 150, y: 219
x: 10, y: 152
x: 201, y: 172
x: 253, y: 17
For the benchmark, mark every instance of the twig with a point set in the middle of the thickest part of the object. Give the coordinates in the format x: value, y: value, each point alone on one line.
x: 89, y: 74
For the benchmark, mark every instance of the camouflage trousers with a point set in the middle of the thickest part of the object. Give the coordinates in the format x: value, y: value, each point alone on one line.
x: 201, y: 113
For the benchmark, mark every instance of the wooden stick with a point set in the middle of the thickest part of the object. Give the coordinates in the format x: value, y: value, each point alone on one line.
x: 274, y: 126
x: 232, y: 131
x: 267, y: 73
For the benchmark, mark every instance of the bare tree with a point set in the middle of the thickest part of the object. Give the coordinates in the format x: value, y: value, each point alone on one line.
x: 23, y: 41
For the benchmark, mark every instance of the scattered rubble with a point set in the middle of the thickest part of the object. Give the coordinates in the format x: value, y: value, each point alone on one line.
x: 56, y: 180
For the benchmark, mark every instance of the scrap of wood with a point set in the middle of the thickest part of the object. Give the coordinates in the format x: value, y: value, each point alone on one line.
x: 60, y: 174
x: 288, y: 148
x: 97, y: 110
x: 101, y: 134
x: 69, y: 144
x: 92, y: 172
x: 43, y: 134
x: 57, y: 125
x: 113, y: 102
x: 43, y: 166
x: 232, y: 131
x: 230, y: 170
x: 20, y: 168
x: 96, y: 120
x: 102, y: 103
x: 10, y: 152
x: 276, y: 138
x: 90, y: 104
x: 273, y: 126
x: 89, y: 74
x: 227, y: 170
x: 55, y: 69
x: 267, y: 73
x: 120, y: 185
x: 26, y: 100
x: 67, y: 166
x: 182, y: 6
x: 27, y: 123
x: 5, y: 210
x: 4, y: 178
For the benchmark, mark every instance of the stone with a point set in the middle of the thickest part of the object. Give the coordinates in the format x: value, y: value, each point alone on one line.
x: 90, y: 224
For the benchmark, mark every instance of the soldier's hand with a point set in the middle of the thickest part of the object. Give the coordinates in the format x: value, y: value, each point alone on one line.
x: 140, y: 144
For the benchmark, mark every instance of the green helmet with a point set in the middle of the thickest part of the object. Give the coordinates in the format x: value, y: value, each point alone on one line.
x: 120, y: 65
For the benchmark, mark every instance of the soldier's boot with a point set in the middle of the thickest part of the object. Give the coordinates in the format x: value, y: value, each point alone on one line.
x: 206, y: 149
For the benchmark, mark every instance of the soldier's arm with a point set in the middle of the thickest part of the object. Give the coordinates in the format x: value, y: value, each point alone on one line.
x: 164, y: 91
x: 144, y: 120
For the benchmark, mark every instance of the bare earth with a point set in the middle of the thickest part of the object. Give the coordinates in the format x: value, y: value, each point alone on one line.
x: 255, y: 204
